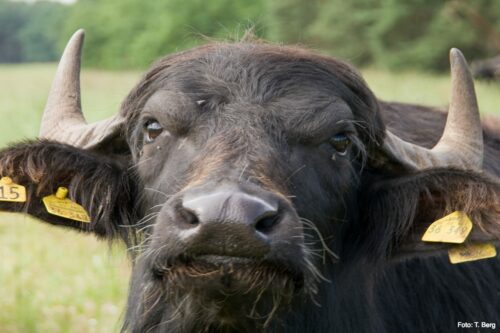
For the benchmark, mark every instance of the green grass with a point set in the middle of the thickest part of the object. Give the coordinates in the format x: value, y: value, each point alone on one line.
x: 55, y: 280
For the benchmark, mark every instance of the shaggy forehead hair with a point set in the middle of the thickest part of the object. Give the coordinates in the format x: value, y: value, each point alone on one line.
x: 257, y: 73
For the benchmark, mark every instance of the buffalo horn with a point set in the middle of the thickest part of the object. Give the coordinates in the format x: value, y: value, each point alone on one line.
x: 461, y: 145
x: 63, y: 119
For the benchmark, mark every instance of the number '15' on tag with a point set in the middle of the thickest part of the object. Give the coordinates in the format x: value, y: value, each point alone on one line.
x: 10, y: 191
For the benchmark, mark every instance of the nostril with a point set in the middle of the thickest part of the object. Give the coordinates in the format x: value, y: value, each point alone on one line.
x: 267, y: 222
x: 188, y: 217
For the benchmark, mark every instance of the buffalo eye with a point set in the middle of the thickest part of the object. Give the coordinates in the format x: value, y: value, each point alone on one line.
x: 152, y: 129
x: 340, y: 143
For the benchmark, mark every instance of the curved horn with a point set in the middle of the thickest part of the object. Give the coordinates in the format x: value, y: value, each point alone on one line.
x: 63, y: 119
x: 461, y: 144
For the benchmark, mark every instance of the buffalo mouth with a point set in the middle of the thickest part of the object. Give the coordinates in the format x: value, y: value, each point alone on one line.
x: 228, y: 273
x: 233, y: 288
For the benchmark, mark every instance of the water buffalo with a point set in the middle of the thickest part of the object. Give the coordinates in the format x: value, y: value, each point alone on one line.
x: 265, y: 188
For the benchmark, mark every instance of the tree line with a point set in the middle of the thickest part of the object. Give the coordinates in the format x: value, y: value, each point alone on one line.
x: 133, y: 33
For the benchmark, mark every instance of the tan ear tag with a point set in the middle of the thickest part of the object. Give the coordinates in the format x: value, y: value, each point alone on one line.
x: 10, y: 191
x: 471, y: 252
x: 58, y: 204
x: 453, y: 228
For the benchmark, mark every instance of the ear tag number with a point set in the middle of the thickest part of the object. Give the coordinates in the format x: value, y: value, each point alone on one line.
x: 471, y: 252
x: 58, y: 204
x: 453, y: 228
x: 10, y: 191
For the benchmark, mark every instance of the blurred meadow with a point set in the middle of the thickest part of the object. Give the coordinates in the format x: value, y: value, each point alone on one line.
x: 56, y: 280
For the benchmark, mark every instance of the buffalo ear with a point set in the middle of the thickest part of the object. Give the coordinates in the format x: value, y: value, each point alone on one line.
x: 100, y: 185
x: 400, y: 210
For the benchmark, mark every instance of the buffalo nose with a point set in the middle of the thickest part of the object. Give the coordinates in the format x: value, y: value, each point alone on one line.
x: 229, y: 222
x: 240, y: 221
x: 235, y: 207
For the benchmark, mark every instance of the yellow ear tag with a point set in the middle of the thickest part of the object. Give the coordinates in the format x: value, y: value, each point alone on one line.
x: 453, y: 228
x: 10, y: 191
x: 471, y: 252
x: 59, y: 205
